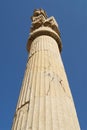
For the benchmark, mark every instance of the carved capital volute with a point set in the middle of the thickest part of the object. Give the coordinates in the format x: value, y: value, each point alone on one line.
x: 42, y: 25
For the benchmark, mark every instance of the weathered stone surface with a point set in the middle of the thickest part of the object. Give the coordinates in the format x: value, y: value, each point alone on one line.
x: 42, y: 25
x: 45, y: 101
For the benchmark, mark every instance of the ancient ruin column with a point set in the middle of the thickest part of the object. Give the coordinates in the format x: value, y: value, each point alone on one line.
x: 45, y: 100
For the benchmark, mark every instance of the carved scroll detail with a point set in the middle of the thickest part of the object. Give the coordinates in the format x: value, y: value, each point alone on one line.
x: 40, y: 19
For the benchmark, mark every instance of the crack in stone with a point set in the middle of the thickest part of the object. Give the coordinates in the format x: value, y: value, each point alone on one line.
x: 64, y: 89
x: 61, y: 81
x: 36, y: 52
x: 32, y: 55
x: 52, y: 78
x: 62, y: 85
x: 48, y: 90
x: 23, y: 105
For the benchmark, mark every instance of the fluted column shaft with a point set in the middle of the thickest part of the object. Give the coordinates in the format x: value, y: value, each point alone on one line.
x: 45, y: 101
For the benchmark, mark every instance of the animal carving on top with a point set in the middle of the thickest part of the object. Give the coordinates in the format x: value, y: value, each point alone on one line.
x: 40, y: 19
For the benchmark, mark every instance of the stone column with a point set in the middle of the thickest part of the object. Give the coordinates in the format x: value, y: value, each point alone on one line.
x: 45, y: 101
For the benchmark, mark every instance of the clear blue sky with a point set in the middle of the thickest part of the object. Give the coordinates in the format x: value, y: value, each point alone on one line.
x: 71, y: 16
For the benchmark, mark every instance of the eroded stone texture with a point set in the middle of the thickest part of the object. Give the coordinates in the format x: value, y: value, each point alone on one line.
x: 45, y: 101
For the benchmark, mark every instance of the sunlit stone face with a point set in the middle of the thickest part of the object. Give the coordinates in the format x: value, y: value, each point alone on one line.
x: 45, y: 101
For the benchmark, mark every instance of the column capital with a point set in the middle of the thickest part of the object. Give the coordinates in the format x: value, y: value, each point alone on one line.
x: 42, y: 25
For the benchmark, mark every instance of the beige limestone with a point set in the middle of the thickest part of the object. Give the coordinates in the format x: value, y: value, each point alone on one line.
x: 45, y: 101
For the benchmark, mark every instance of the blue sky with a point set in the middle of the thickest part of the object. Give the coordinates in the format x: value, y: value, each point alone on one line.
x: 71, y: 16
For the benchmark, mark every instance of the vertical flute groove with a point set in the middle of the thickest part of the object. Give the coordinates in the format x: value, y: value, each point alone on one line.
x: 45, y: 101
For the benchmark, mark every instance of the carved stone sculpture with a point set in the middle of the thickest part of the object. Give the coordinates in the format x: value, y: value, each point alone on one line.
x: 40, y: 18
x: 45, y: 101
x: 42, y: 25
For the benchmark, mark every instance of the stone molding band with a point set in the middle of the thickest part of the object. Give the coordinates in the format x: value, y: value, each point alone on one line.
x: 44, y: 31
